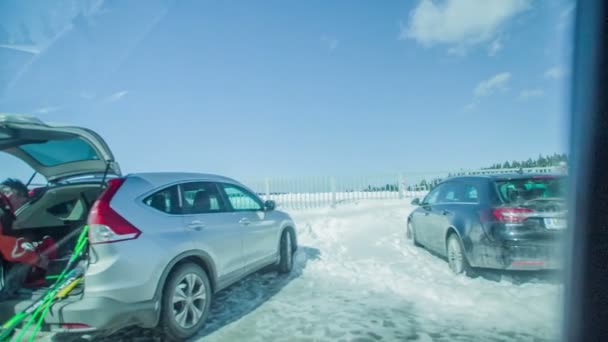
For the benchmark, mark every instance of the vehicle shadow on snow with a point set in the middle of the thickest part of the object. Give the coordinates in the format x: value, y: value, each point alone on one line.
x: 231, y: 304
x: 246, y: 296
x: 515, y: 277
x: 521, y: 277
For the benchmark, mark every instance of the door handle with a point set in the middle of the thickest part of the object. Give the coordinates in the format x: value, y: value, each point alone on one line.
x: 426, y: 213
x: 244, y: 221
x: 445, y: 213
x: 196, y: 225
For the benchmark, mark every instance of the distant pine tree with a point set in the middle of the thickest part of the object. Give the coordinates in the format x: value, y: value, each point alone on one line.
x: 542, y: 161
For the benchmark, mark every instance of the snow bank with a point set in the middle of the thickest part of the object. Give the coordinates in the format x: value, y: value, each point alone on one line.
x: 357, y: 277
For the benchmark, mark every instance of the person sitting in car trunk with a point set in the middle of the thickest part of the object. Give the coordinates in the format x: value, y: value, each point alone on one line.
x: 28, y: 258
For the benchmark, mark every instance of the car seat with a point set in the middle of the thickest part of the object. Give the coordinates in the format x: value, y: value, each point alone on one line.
x: 158, y: 202
x: 202, y: 202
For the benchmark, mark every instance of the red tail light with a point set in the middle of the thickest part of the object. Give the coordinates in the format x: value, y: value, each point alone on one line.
x: 105, y: 224
x: 512, y: 215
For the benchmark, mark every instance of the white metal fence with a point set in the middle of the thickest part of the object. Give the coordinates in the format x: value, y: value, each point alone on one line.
x: 315, y: 192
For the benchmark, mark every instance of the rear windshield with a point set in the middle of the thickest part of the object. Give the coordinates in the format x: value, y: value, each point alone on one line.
x: 57, y: 152
x: 528, y: 189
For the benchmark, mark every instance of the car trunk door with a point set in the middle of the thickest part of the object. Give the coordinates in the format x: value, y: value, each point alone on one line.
x: 56, y: 152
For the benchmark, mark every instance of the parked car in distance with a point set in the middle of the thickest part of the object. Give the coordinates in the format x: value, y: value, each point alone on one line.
x: 160, y: 244
x: 509, y: 222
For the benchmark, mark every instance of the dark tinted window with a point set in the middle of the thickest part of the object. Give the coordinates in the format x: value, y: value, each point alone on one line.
x: 241, y: 199
x: 470, y: 194
x: 202, y: 198
x: 57, y: 152
x: 433, y: 196
x: 166, y: 200
x: 517, y: 191
x: 451, y: 192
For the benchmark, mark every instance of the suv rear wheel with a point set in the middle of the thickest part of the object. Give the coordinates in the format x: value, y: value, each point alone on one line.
x: 186, y: 302
x: 456, y: 258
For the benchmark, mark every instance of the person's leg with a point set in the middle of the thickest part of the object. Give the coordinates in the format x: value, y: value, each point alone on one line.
x: 16, y: 274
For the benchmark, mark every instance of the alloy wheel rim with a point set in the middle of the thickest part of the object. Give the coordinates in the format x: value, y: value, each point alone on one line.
x: 288, y: 249
x: 189, y: 300
x: 455, y: 256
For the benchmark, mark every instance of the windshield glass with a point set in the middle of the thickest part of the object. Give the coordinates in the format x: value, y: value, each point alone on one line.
x: 57, y: 152
x: 529, y: 189
x: 344, y: 114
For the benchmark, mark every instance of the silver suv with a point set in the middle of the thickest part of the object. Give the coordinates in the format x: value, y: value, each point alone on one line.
x: 160, y: 244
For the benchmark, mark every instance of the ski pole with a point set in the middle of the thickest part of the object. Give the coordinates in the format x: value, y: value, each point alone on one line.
x: 60, y: 295
x: 41, y: 311
x: 12, y: 323
x: 7, y: 328
x: 47, y: 301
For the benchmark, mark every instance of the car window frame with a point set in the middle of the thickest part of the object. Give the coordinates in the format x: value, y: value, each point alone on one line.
x: 221, y: 198
x: 477, y: 188
x: 156, y: 191
x: 447, y: 185
x: 438, y: 189
x: 256, y: 198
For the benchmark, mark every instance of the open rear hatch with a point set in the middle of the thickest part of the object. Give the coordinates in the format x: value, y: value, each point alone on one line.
x: 61, y: 154
x: 56, y: 152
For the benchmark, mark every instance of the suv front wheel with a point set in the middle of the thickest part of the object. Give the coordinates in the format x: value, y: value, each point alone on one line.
x: 186, y: 302
x: 286, y: 251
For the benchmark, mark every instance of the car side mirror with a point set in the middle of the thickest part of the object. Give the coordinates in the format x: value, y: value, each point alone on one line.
x: 416, y: 201
x: 269, y: 205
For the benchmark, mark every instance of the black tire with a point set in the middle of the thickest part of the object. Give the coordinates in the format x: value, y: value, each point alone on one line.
x: 411, y: 234
x: 286, y: 252
x: 190, y: 279
x: 457, y: 259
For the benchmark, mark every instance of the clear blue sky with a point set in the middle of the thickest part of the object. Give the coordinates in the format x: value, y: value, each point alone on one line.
x: 294, y: 88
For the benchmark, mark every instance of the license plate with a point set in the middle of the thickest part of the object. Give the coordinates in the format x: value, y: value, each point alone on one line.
x: 555, y: 223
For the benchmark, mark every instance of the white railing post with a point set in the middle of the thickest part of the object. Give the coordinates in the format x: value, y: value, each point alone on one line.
x: 400, y: 186
x: 332, y: 184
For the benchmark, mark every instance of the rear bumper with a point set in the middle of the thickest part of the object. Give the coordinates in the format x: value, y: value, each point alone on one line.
x: 519, y: 256
x: 97, y: 314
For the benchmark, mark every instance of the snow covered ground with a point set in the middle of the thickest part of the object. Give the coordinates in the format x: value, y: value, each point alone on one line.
x: 358, y: 279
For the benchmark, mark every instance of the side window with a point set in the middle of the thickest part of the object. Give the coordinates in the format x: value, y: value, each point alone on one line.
x: 433, y: 196
x: 165, y: 200
x: 241, y: 199
x: 202, y: 198
x: 452, y: 192
x: 471, y: 194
